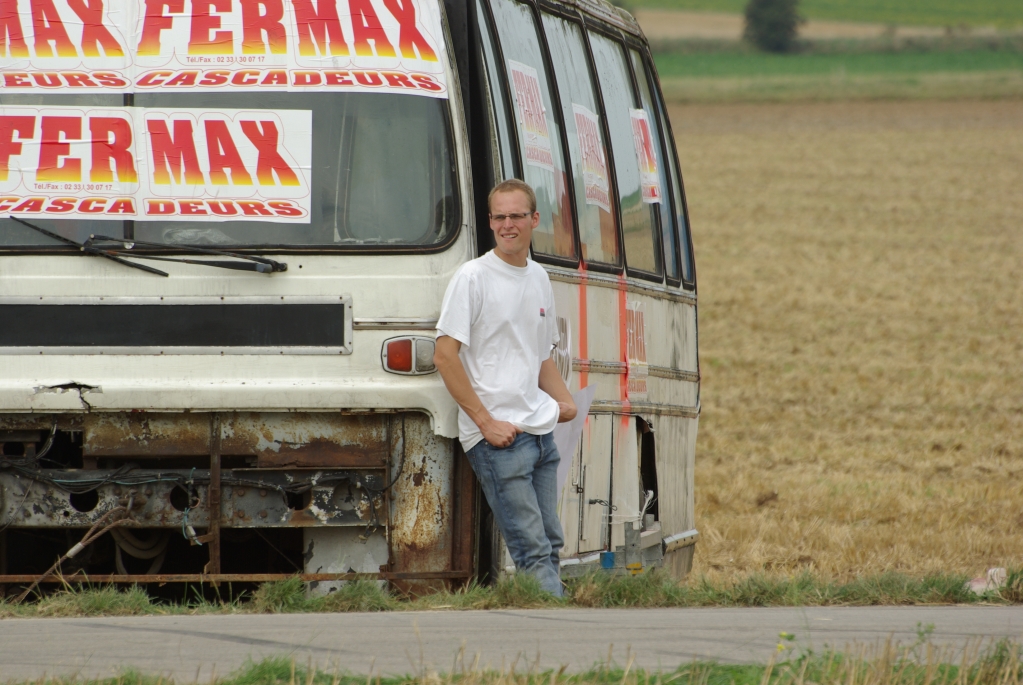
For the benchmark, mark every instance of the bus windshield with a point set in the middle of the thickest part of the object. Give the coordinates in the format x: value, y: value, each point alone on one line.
x: 379, y: 173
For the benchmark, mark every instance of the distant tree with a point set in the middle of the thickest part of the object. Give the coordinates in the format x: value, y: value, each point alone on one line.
x: 772, y: 25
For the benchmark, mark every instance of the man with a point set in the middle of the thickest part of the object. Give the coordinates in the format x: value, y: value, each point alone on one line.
x: 496, y: 331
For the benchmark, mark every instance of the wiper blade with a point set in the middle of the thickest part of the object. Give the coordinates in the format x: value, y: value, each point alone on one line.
x: 88, y: 248
x: 250, y: 263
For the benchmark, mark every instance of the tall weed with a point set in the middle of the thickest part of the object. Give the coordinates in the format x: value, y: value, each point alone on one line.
x: 280, y: 596
x: 358, y: 595
x: 101, y: 601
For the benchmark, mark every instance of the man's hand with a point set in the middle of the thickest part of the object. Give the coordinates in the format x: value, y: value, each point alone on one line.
x: 445, y: 357
x: 550, y: 382
x: 500, y: 433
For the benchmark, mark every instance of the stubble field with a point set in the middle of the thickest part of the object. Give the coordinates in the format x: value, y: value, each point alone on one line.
x: 860, y: 274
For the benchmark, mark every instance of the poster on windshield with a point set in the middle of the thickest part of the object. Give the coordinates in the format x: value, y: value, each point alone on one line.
x: 532, y: 115
x: 594, y: 165
x: 155, y: 164
x: 649, y: 176
x: 131, y: 46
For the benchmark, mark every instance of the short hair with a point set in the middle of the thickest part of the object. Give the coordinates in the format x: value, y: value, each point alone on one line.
x: 509, y: 186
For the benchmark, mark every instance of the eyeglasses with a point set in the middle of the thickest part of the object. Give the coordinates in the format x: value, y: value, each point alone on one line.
x: 516, y: 218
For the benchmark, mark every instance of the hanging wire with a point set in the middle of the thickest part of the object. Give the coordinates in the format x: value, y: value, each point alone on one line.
x: 49, y: 442
x: 119, y: 516
x: 377, y: 495
x: 186, y: 530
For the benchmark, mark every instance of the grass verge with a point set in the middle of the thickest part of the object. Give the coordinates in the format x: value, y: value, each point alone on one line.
x: 744, y: 76
x: 522, y: 592
x: 954, y: 13
x: 888, y: 664
x: 752, y: 64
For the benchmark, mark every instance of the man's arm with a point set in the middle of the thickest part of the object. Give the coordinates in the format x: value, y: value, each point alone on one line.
x: 552, y: 383
x: 447, y: 361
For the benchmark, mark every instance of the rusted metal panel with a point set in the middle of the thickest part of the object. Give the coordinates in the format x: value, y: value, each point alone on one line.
x: 342, y: 550
x: 308, y: 439
x: 301, y: 439
x: 69, y: 422
x: 421, y: 499
x: 336, y: 498
x: 19, y: 436
x: 144, y: 435
x: 387, y: 473
x: 463, y: 553
x: 213, y: 497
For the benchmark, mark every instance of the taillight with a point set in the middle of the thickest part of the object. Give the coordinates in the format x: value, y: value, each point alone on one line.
x: 398, y: 355
x: 410, y: 356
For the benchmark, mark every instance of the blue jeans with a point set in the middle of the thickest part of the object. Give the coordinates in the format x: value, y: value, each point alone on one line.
x: 521, y: 486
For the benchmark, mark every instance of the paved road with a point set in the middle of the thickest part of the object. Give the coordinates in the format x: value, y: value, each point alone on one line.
x: 191, y: 648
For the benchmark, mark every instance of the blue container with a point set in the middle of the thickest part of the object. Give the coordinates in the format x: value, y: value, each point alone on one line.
x: 607, y: 559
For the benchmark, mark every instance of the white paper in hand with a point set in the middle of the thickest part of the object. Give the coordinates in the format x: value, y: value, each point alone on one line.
x: 566, y: 435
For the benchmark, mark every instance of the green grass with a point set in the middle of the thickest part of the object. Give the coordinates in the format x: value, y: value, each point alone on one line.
x: 523, y: 592
x: 1000, y: 13
x: 722, y: 73
x: 885, y: 665
x: 750, y: 64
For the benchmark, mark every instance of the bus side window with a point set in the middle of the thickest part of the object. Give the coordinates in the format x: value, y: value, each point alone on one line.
x: 669, y: 229
x: 504, y: 143
x: 539, y: 133
x: 594, y: 201
x: 678, y: 195
x: 637, y: 192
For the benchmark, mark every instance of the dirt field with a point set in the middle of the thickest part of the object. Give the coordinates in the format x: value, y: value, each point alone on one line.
x: 860, y: 276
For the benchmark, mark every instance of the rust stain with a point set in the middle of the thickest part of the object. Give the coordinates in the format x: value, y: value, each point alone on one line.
x: 419, y: 530
x: 301, y: 439
x: 40, y: 422
x: 422, y: 505
x: 142, y: 435
x: 464, y: 514
x: 302, y: 518
x: 417, y: 541
x: 322, y: 452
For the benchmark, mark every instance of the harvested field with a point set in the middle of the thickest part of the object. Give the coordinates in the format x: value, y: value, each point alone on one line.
x: 860, y: 273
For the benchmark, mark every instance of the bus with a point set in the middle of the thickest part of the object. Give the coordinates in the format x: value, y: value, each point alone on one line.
x: 226, y: 228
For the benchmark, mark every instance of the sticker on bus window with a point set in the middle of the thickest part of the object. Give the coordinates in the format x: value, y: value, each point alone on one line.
x: 595, y: 177
x: 649, y: 177
x: 155, y: 165
x: 638, y: 369
x: 532, y: 115
x: 125, y: 46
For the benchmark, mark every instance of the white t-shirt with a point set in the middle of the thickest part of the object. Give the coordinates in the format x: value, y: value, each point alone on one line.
x: 504, y: 317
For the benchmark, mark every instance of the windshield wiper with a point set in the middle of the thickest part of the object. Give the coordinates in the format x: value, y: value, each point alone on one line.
x: 89, y: 249
x: 251, y: 263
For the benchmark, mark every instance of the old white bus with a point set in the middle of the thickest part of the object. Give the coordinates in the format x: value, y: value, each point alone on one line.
x: 227, y: 229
